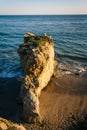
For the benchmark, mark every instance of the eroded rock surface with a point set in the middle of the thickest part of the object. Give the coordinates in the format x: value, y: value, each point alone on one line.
x: 8, y: 125
x: 37, y: 61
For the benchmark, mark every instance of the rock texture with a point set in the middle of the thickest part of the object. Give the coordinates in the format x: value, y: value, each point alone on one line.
x: 8, y: 125
x: 37, y: 61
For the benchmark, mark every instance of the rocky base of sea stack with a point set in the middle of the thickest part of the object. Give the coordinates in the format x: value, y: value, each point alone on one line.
x: 37, y: 61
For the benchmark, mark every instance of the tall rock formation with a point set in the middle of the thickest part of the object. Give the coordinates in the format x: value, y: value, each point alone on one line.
x: 37, y: 61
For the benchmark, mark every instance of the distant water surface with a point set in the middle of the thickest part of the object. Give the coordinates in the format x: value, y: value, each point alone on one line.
x: 69, y: 33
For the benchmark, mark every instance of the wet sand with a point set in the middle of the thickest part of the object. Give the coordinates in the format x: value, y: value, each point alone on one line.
x: 63, y: 103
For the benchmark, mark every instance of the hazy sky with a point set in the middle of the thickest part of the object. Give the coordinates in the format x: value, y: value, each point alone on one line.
x: 43, y: 6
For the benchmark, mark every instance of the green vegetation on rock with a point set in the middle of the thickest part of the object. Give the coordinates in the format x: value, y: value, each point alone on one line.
x: 36, y: 40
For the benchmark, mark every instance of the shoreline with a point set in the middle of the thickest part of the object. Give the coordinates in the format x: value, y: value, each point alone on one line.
x: 63, y: 95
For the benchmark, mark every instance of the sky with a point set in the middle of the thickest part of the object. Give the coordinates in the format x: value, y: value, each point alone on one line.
x: 32, y: 7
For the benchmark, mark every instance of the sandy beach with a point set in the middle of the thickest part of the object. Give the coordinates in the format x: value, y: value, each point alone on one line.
x: 63, y: 103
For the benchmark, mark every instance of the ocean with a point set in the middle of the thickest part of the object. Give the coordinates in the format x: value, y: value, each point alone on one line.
x: 69, y: 33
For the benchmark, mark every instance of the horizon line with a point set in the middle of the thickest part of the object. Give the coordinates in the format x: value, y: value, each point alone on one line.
x: 41, y: 14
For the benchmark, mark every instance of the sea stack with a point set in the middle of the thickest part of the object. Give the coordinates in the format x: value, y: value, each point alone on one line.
x: 38, y: 64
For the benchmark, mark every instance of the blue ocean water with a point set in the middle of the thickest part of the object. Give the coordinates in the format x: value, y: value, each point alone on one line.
x: 69, y: 33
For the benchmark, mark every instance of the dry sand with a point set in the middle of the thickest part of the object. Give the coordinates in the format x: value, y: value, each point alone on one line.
x: 63, y: 98
x: 63, y: 103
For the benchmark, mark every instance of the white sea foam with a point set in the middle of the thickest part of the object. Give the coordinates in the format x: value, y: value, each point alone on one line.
x: 71, y: 69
